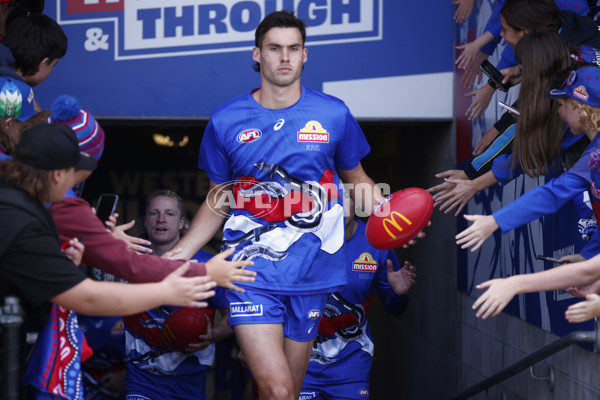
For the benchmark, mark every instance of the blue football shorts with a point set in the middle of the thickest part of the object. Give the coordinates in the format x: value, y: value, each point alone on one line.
x: 336, y: 391
x: 299, y: 313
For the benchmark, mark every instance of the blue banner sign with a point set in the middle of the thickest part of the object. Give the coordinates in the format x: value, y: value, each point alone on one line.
x: 181, y: 58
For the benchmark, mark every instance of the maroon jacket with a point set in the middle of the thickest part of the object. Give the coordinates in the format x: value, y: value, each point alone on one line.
x: 74, y: 219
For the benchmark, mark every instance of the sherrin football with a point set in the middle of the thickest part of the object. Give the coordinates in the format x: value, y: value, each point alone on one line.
x: 399, y: 218
x: 183, y: 326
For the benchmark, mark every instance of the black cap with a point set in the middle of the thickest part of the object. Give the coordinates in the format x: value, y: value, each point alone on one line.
x: 52, y: 146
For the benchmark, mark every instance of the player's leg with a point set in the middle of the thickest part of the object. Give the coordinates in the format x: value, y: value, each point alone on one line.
x: 300, y: 329
x: 297, y: 355
x: 262, y: 346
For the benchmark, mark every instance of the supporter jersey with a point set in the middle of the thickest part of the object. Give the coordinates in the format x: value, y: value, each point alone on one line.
x: 287, y: 211
x: 546, y: 199
x: 155, y: 369
x: 343, y: 350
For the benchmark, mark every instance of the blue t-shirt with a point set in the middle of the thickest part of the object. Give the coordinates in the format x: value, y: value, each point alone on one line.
x: 287, y: 207
x: 343, y: 350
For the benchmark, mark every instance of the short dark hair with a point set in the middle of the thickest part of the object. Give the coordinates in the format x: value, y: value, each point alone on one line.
x: 277, y: 19
x: 33, y: 38
x: 530, y: 15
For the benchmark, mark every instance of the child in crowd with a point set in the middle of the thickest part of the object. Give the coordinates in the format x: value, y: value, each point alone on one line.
x: 579, y: 102
x: 579, y: 99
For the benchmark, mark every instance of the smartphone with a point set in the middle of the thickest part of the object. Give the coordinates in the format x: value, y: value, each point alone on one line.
x: 509, y: 108
x: 544, y: 258
x: 107, y: 205
x: 495, y: 75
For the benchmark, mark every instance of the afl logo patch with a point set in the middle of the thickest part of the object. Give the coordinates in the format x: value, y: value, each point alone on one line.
x: 314, y: 314
x: 249, y: 135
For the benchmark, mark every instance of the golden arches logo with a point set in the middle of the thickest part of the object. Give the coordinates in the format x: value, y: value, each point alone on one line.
x: 392, y: 220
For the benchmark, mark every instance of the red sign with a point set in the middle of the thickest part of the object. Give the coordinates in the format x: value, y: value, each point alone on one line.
x: 93, y: 6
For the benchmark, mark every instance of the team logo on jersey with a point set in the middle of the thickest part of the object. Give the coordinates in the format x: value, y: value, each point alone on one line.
x: 249, y: 135
x: 581, y: 93
x: 313, y: 132
x: 314, y: 314
x: 364, y: 263
x: 245, y: 309
x: 364, y: 393
x: 279, y: 124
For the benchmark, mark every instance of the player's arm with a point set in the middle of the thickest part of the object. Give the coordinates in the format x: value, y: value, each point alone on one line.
x: 208, y: 219
x: 363, y: 190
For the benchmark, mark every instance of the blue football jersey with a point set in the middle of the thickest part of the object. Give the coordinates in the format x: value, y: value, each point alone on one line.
x: 155, y: 370
x: 343, y: 350
x: 286, y: 205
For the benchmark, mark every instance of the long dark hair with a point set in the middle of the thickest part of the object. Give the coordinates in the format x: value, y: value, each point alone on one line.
x: 540, y: 130
x: 530, y: 15
x: 34, y: 182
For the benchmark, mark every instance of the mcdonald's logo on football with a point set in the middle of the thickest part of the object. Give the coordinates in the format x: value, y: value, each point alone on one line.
x: 395, y: 225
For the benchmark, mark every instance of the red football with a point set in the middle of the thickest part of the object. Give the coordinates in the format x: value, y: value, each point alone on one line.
x: 399, y: 218
x: 183, y: 326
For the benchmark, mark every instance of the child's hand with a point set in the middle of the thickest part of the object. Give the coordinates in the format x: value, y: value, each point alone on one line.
x: 498, y: 294
x: 474, y: 236
x: 74, y: 250
x: 226, y: 272
x: 584, y: 310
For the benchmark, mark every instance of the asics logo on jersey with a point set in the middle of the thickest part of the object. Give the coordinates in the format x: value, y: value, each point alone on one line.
x: 249, y: 135
x: 279, y: 124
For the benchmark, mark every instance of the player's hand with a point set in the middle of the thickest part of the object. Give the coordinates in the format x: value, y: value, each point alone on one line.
x: 584, y: 310
x: 226, y: 272
x: 414, y: 240
x: 498, y: 294
x: 118, y: 231
x: 464, y: 190
x: 485, y: 141
x: 463, y: 11
x: 480, y: 103
x: 402, y: 280
x: 74, y: 250
x: 203, y: 340
x: 186, y: 292
x: 474, y: 236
